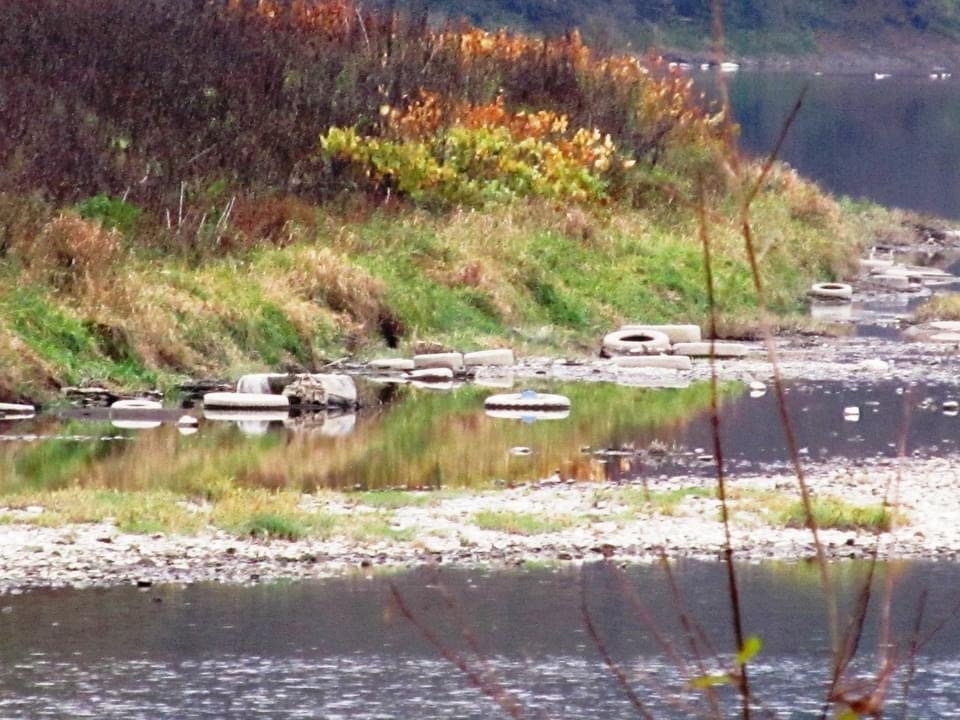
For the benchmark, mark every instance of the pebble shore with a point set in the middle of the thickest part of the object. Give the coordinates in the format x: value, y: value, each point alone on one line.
x: 924, y: 493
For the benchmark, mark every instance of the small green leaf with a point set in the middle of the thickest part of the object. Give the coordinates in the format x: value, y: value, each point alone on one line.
x: 751, y: 646
x: 705, y: 682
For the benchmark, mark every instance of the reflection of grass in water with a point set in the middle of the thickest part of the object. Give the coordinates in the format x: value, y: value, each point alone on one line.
x: 150, y: 460
x: 447, y: 441
x: 430, y: 440
x: 49, y: 464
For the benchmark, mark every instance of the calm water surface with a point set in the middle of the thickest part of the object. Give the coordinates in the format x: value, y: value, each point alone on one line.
x: 340, y: 648
x: 895, y: 141
x: 431, y: 439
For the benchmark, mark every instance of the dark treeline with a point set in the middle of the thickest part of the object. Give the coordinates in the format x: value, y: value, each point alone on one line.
x: 141, y: 97
x: 752, y: 25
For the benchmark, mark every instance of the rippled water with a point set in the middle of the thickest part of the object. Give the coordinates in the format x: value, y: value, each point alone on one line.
x: 341, y: 649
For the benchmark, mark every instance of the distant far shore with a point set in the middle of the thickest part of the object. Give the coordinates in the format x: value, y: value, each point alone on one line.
x: 888, y: 54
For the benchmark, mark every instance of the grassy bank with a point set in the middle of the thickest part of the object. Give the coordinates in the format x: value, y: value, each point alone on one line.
x: 245, y: 186
x: 537, y: 276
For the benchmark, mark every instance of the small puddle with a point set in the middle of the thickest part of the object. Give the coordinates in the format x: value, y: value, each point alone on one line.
x: 430, y: 439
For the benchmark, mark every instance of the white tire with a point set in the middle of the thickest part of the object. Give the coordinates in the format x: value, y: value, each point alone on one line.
x: 635, y: 342
x: 832, y: 291
x: 715, y: 349
x: 16, y: 411
x: 675, y: 333
x: 137, y: 404
x: 392, y: 364
x: 527, y: 400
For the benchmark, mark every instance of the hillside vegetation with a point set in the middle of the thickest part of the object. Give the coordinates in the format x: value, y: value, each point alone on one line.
x: 209, y: 187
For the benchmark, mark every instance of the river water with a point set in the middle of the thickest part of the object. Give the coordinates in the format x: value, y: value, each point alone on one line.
x: 341, y: 648
x: 426, y: 438
x: 894, y: 141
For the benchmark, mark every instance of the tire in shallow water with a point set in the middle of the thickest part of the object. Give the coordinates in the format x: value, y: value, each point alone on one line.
x: 832, y: 291
x: 527, y: 400
x: 635, y: 342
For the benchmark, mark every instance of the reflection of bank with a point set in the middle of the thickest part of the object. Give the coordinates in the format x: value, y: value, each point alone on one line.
x: 259, y: 422
x: 250, y: 422
x: 16, y: 411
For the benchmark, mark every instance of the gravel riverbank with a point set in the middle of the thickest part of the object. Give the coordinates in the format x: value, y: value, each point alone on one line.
x: 593, y: 521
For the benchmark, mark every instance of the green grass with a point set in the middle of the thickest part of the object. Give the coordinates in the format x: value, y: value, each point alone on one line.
x: 273, y: 527
x: 140, y: 513
x: 376, y: 527
x: 941, y: 307
x: 662, y: 502
x: 528, y: 275
x: 834, y: 514
x: 520, y: 523
x: 394, y: 499
x: 78, y: 348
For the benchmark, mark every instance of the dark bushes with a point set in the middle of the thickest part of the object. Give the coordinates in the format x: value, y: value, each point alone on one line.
x: 137, y: 98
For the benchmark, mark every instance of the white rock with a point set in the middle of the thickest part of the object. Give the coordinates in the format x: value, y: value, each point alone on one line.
x: 672, y: 362
x: 431, y: 374
x: 258, y: 382
x: 706, y: 349
x: 945, y: 337
x: 451, y: 360
x: 392, y: 364
x: 329, y: 389
x: 500, y: 357
x: 946, y: 325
